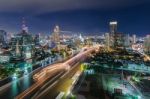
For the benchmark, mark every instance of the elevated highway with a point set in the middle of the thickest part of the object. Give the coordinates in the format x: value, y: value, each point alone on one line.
x: 46, y: 74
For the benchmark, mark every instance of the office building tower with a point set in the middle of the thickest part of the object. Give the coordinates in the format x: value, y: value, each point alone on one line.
x: 3, y: 37
x: 113, y: 31
x: 22, y: 44
x: 127, y: 40
x: 56, y: 34
x: 119, y: 40
x: 147, y: 44
x: 37, y: 39
x: 134, y: 39
x: 107, y: 41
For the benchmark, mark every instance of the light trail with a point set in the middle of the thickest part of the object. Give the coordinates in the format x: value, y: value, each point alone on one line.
x: 37, y: 84
x: 50, y: 71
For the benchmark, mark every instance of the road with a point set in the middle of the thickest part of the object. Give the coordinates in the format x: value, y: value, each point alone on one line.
x: 15, y: 87
x: 49, y: 72
x: 63, y: 84
x: 10, y: 90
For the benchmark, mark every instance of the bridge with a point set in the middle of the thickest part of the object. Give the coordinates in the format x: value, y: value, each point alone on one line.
x: 51, y: 71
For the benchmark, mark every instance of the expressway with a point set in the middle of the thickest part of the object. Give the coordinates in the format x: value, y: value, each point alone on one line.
x: 51, y: 71
x: 34, y: 87
x: 10, y: 90
x: 15, y: 87
x: 62, y: 84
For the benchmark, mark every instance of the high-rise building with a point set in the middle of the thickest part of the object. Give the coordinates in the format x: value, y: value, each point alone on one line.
x: 3, y: 37
x: 147, y: 44
x: 22, y: 44
x: 113, y: 31
x: 107, y: 40
x: 134, y: 39
x: 113, y: 27
x: 116, y: 38
x: 56, y: 34
x: 127, y: 40
x: 81, y: 38
x: 37, y: 39
x: 119, y: 40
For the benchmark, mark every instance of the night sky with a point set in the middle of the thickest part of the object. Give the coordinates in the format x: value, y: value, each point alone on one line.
x: 82, y: 16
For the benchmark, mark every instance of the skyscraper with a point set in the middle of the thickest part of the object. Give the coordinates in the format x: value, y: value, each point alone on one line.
x: 119, y: 40
x: 22, y: 44
x: 127, y: 40
x: 113, y: 31
x: 56, y: 34
x: 134, y: 39
x: 107, y: 40
x: 37, y: 39
x: 3, y: 37
x: 147, y: 44
x: 113, y: 27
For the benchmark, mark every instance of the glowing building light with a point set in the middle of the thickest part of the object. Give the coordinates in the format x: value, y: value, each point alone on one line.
x: 112, y: 23
x: 14, y: 77
x: 25, y: 71
x: 139, y: 97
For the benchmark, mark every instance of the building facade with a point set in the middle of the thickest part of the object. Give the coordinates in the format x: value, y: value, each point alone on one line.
x: 113, y: 31
x: 3, y: 37
x: 56, y: 34
x: 107, y: 41
x: 147, y: 44
x: 22, y: 45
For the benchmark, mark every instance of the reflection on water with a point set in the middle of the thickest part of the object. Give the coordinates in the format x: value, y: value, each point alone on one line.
x: 14, y: 88
x: 26, y: 82
x: 18, y: 85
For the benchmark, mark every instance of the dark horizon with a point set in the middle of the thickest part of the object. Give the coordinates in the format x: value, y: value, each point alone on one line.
x: 91, y: 17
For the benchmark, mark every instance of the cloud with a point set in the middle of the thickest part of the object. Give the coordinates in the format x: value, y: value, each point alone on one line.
x: 41, y: 6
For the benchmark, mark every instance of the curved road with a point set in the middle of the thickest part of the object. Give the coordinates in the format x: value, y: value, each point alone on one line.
x: 50, y: 71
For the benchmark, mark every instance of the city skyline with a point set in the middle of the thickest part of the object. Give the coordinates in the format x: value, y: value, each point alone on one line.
x: 77, y: 16
x: 74, y: 49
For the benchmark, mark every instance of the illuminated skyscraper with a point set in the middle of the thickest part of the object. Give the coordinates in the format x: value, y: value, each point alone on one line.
x: 134, y: 39
x: 127, y: 40
x: 56, y: 35
x: 107, y: 40
x: 116, y: 39
x: 147, y: 44
x: 113, y: 32
x: 81, y: 38
x: 37, y: 39
x: 119, y: 40
x: 22, y: 44
x: 113, y: 27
